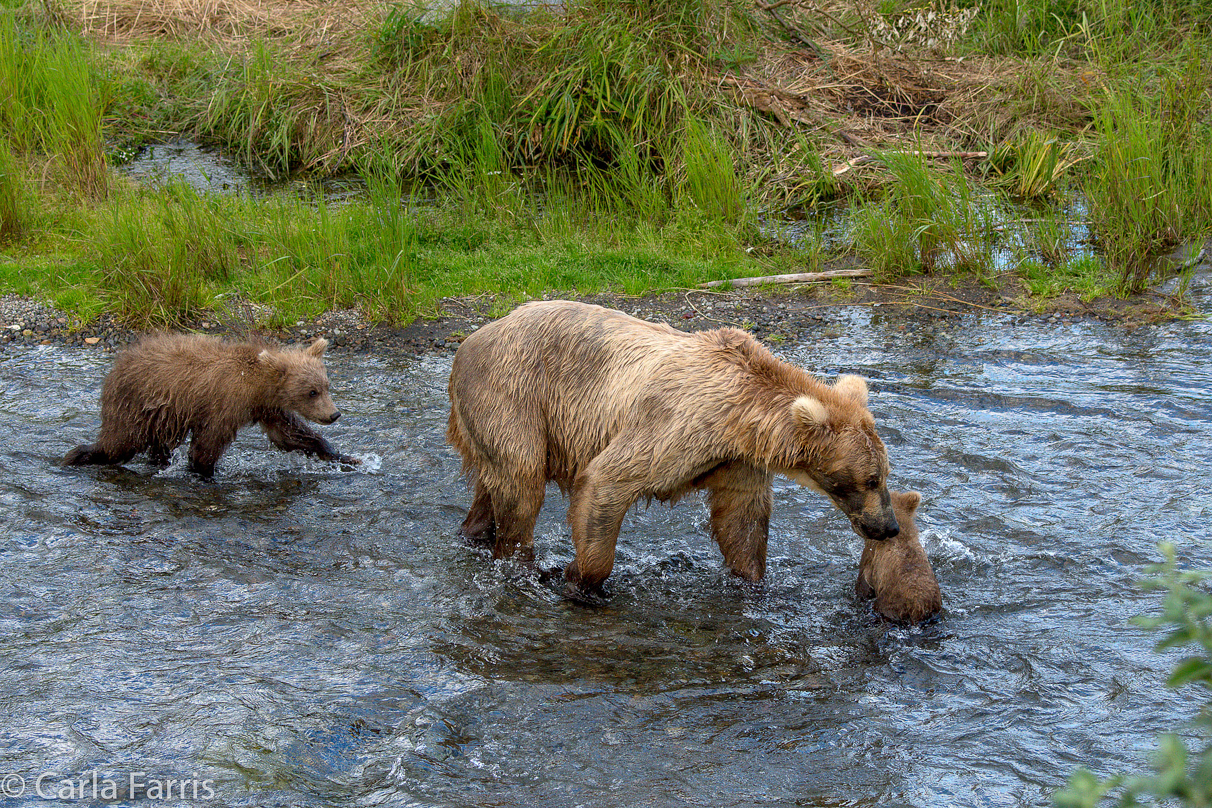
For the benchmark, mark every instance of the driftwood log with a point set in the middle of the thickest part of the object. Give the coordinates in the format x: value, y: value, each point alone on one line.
x: 796, y: 277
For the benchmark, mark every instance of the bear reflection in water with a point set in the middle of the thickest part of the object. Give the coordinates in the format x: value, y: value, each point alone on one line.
x: 616, y: 409
x: 897, y: 572
x: 168, y: 386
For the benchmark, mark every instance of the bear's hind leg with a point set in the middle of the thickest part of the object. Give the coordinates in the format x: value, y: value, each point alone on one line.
x: 105, y: 452
x: 515, y: 508
x: 205, y: 450
x: 740, y: 501
x: 480, y: 525
x: 92, y: 454
x: 601, y: 496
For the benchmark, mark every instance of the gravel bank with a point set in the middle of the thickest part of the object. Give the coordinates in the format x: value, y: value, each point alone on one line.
x: 772, y: 314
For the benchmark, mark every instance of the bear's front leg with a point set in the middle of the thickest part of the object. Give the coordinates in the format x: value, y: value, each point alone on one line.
x: 740, y: 500
x: 290, y: 433
x: 863, y: 590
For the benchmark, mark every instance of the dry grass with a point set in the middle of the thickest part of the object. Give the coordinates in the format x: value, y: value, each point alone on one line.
x: 231, y: 21
x: 848, y: 99
x: 884, y: 101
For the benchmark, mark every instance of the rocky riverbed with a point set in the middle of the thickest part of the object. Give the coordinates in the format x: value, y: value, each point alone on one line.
x: 771, y: 314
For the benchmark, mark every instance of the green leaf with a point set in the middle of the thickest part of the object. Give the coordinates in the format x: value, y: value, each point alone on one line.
x: 1190, y: 670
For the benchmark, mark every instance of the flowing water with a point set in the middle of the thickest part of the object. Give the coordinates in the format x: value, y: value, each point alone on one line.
x: 291, y: 634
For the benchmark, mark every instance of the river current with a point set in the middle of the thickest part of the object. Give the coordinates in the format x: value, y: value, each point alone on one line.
x: 292, y: 634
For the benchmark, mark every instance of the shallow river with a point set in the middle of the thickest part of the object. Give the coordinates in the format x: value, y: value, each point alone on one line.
x: 292, y: 634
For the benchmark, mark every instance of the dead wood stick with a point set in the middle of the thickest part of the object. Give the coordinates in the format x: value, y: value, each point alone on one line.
x: 867, y: 158
x: 796, y: 277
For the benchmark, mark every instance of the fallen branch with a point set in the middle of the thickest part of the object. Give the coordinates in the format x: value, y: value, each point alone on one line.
x: 797, y: 277
x: 867, y: 158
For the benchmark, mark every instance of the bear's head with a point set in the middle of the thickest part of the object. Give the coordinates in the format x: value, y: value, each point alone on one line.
x: 838, y: 453
x: 302, y: 381
x: 897, y: 573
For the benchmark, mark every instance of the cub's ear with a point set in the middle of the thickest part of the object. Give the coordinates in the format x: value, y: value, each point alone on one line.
x: 267, y: 359
x: 907, y: 500
x: 810, y: 411
x: 316, y: 349
x: 853, y: 388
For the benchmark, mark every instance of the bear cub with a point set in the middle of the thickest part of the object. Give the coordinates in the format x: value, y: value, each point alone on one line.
x: 169, y: 386
x: 897, y: 573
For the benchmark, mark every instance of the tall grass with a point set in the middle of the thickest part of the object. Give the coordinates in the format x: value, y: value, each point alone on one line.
x: 168, y: 256
x: 1150, y: 184
x: 1111, y: 29
x: 13, y: 215
x: 711, y: 178
x: 486, y: 95
x: 163, y: 256
x: 51, y: 104
x: 275, y: 112
x: 926, y: 220
x: 1032, y: 166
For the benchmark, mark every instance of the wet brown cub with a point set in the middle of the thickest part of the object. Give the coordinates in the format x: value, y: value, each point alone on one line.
x: 897, y: 572
x: 168, y: 386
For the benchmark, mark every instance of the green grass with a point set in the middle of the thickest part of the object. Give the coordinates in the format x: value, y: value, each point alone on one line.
x: 1150, y: 183
x: 1084, y: 275
x: 163, y: 257
x: 925, y: 221
x: 51, y: 104
x: 586, y: 148
x: 12, y: 196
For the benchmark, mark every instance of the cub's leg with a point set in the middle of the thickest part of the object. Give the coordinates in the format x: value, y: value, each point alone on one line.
x: 290, y: 432
x: 113, y: 447
x: 740, y: 501
x: 206, y: 448
x: 94, y: 454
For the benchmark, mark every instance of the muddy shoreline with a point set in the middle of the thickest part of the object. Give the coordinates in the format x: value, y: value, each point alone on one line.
x: 772, y: 314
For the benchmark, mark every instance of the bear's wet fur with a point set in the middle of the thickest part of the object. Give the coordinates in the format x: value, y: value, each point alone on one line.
x: 616, y: 409
x: 169, y: 386
x: 897, y: 572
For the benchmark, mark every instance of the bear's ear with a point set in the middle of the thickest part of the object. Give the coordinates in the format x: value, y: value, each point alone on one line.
x: 908, y: 500
x: 810, y: 411
x: 853, y: 388
x: 316, y: 349
x: 268, y: 359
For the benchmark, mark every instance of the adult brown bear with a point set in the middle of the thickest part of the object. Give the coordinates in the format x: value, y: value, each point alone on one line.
x: 615, y: 409
x: 168, y: 386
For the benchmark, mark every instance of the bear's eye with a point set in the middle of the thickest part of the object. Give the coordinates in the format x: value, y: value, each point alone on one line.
x: 314, y: 393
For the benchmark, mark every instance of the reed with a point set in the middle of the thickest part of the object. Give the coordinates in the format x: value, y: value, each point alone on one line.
x: 1032, y: 166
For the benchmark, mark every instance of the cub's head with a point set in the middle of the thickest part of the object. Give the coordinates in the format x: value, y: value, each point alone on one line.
x: 839, y: 454
x: 303, y: 381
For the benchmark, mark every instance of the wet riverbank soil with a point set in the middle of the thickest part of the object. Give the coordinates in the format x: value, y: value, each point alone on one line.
x: 771, y: 313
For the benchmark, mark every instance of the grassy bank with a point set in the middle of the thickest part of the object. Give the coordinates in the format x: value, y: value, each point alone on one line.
x: 624, y: 146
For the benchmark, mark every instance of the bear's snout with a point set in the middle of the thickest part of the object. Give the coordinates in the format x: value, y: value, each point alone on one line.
x: 328, y: 419
x: 878, y: 529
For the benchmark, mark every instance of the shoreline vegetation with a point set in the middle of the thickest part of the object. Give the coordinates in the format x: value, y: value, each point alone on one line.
x: 1039, y: 149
